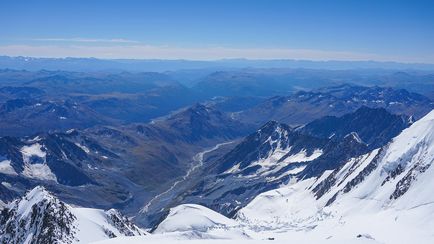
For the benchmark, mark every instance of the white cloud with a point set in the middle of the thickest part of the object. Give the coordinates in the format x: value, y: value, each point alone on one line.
x: 137, y: 51
x: 88, y: 40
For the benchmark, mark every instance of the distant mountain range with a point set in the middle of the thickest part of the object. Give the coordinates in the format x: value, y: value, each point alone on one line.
x: 303, y: 107
x: 47, y: 101
x: 93, y: 64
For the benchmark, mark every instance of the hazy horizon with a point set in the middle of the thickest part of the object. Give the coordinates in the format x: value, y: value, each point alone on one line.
x: 195, y: 30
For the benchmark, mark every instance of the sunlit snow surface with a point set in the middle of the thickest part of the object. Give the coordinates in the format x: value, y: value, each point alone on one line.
x: 32, y: 150
x: 6, y: 168
x: 392, y: 203
x: 35, y: 163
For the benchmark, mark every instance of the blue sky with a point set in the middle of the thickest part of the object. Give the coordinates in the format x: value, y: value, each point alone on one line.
x: 257, y: 29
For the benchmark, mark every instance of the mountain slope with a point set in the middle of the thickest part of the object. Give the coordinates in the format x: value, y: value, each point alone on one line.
x: 389, y: 187
x: 304, y: 107
x: 39, y: 217
x: 195, y: 123
x: 113, y: 167
x: 382, y: 196
x: 277, y: 153
x: 254, y: 165
x: 375, y: 127
x: 27, y: 116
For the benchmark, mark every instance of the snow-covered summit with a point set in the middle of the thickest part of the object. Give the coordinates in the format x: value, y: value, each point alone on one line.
x: 192, y: 221
x: 40, y: 217
x: 193, y: 217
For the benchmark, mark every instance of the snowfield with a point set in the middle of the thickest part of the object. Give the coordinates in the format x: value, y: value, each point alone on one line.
x: 161, y: 239
x: 6, y: 168
x: 192, y: 217
x: 93, y: 225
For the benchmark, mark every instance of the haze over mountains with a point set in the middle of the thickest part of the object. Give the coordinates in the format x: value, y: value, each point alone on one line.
x: 160, y: 65
x: 226, y: 146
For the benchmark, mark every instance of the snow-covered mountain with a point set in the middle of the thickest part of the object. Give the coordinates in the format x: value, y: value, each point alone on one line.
x: 277, y: 153
x: 385, y: 194
x: 40, y: 217
x: 382, y: 196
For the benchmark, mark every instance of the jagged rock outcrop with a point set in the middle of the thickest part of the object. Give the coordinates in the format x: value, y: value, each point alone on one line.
x: 39, y: 217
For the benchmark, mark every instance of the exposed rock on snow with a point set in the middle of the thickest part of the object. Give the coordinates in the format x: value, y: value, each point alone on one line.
x: 39, y: 217
x: 386, y: 193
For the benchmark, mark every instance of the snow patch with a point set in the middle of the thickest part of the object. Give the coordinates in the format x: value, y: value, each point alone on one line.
x: 6, y: 168
x: 39, y: 171
x: 32, y: 150
x: 302, y: 156
x: 84, y: 148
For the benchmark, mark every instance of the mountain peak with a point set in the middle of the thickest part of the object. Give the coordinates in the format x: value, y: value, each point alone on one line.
x: 40, y: 215
x: 199, y: 108
x: 37, y: 194
x: 373, y: 126
x: 43, y: 218
x: 272, y: 125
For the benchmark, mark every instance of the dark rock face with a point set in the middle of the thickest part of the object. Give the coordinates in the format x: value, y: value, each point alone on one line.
x: 304, y: 107
x: 267, y: 139
x: 348, y: 148
x: 14, y: 104
x: 63, y: 157
x: 7, y: 195
x: 21, y: 92
x: 47, y: 221
x: 404, y: 184
x: 122, y: 223
x: 197, y: 123
x: 39, y: 217
x: 28, y: 116
x: 374, y: 126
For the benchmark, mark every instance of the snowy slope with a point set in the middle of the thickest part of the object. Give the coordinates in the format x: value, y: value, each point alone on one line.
x: 191, y: 221
x: 95, y: 224
x: 39, y: 217
x: 386, y: 194
x: 383, y: 196
x: 168, y: 239
x: 193, y: 217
